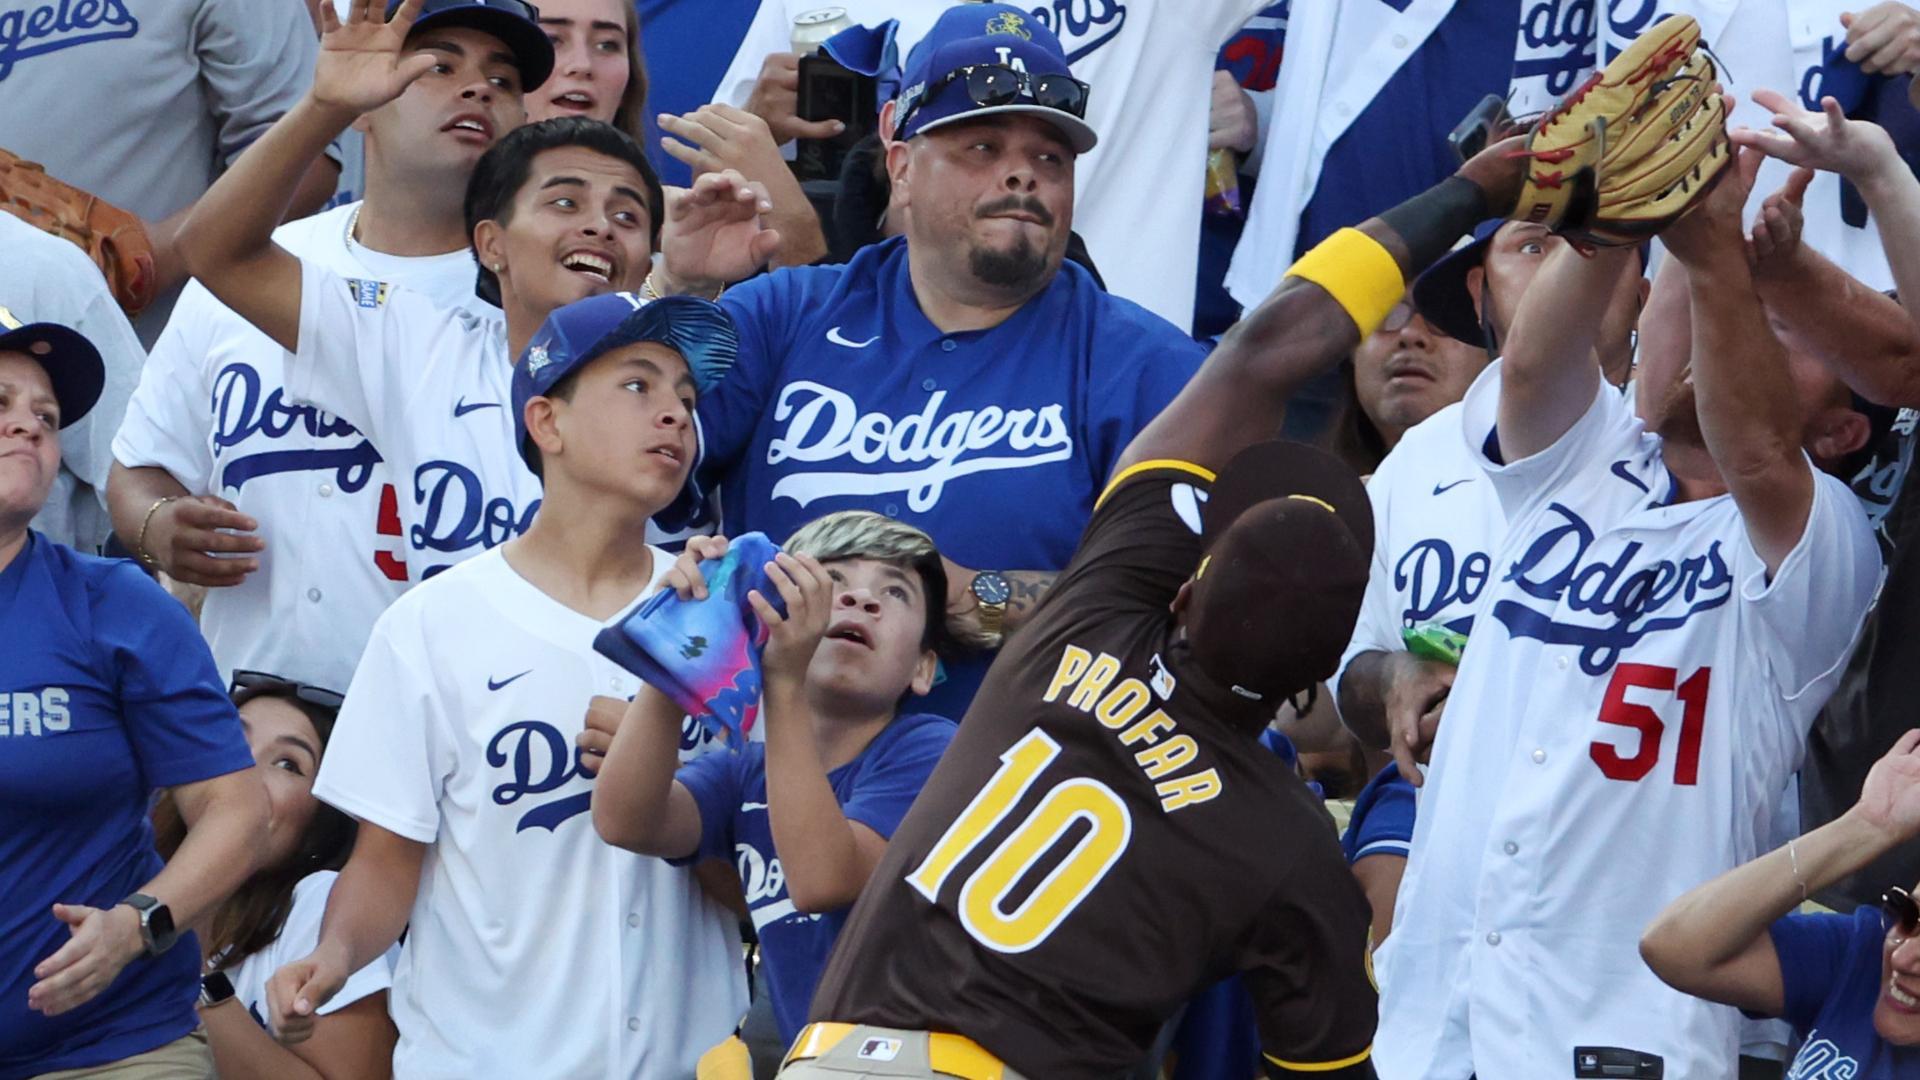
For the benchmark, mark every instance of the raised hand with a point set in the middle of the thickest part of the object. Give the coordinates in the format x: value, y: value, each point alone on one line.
x: 1856, y: 149
x: 1775, y: 239
x: 1715, y: 224
x: 714, y: 234
x: 791, y: 640
x: 685, y: 577
x: 1890, y: 798
x: 363, y: 63
x: 1884, y: 39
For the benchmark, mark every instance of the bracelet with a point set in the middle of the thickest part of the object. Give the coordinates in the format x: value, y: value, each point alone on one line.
x: 1358, y: 273
x: 140, y: 546
x: 1794, y: 858
x: 649, y: 291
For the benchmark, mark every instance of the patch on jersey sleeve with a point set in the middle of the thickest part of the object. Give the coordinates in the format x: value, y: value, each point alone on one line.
x: 367, y: 293
x: 1187, y: 503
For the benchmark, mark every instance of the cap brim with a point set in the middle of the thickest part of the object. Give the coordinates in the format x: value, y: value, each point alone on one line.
x: 1079, y: 134
x: 1442, y: 298
x: 1280, y: 469
x: 532, y: 51
x: 72, y: 364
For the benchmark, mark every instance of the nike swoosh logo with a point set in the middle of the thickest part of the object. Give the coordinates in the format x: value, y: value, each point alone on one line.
x: 1620, y: 470
x: 746, y: 806
x: 1442, y: 489
x: 461, y: 408
x: 833, y: 335
x: 491, y: 685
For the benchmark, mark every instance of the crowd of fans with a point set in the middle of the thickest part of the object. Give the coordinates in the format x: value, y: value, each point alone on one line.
x: 481, y: 322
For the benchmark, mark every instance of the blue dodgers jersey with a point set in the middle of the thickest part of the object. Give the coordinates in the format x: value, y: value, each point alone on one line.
x: 996, y: 442
x: 1382, y: 820
x: 1468, y: 56
x: 874, y: 789
x: 107, y: 692
x: 688, y: 44
x: 1830, y: 969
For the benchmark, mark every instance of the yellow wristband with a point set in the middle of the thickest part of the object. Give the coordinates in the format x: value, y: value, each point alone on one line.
x: 1358, y: 273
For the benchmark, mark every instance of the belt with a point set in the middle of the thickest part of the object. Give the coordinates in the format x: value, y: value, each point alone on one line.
x: 955, y: 1055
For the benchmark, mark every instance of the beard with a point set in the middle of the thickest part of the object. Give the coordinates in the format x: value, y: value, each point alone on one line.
x: 1022, y: 266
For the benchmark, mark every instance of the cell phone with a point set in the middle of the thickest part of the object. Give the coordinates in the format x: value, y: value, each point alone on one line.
x: 831, y: 92
x: 1471, y: 135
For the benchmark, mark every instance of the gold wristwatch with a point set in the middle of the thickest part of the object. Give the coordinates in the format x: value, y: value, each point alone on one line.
x: 992, y: 590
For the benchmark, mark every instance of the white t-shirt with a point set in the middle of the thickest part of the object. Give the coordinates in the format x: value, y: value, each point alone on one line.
x: 535, y: 948
x: 297, y: 939
x: 431, y: 385
x: 1640, y: 690
x: 1149, y: 63
x: 213, y: 410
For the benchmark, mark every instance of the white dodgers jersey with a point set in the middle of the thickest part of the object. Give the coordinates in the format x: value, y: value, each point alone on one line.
x: 535, y: 949
x: 1640, y: 691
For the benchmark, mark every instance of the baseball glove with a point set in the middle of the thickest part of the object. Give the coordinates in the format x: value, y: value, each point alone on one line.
x: 114, y: 239
x: 1639, y: 144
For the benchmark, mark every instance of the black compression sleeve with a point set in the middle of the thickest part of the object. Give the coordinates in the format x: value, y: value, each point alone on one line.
x: 1430, y: 222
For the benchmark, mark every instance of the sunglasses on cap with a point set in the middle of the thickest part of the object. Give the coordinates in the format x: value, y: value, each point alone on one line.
x: 1899, y: 905
x: 990, y: 85
x: 273, y: 684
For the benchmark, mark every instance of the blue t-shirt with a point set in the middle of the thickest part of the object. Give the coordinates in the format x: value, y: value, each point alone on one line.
x: 107, y: 692
x: 874, y: 789
x: 1397, y: 147
x: 688, y: 45
x: 1830, y: 970
x: 996, y: 442
x: 1382, y: 821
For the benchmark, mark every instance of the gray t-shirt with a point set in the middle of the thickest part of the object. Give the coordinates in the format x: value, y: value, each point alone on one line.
x: 144, y: 102
x: 46, y: 279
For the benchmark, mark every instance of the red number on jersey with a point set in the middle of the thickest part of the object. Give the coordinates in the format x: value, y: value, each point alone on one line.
x: 1616, y: 709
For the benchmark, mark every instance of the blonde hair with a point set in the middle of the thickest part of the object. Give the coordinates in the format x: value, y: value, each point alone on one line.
x: 863, y: 534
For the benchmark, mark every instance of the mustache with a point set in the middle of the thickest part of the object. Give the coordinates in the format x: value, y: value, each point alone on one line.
x: 1023, y: 203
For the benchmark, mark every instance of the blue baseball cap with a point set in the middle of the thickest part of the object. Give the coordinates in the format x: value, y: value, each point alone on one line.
x: 1440, y: 294
x: 971, y: 35
x: 514, y: 22
x: 72, y: 364
x: 699, y: 330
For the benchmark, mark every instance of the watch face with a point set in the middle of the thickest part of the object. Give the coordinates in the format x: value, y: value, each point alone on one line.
x: 160, y: 925
x: 991, y: 588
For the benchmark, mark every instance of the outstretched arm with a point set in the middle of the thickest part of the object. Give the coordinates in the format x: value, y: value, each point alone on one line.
x: 1330, y: 299
x: 227, y: 242
x: 1547, y: 370
x: 1749, y: 416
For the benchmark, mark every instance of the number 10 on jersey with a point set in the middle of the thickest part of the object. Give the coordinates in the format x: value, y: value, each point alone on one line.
x: 985, y: 893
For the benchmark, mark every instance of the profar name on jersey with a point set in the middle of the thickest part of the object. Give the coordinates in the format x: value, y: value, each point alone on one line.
x: 1164, y: 750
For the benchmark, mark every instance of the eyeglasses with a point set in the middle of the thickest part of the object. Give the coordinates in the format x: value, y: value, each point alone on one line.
x: 1397, y: 319
x: 1899, y: 905
x: 989, y: 85
x: 274, y: 684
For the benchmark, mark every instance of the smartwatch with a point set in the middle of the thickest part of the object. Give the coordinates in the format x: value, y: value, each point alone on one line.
x: 156, y: 923
x: 215, y: 988
x: 992, y: 589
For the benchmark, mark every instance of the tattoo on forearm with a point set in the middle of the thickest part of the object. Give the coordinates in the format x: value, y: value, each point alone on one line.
x: 1029, y: 587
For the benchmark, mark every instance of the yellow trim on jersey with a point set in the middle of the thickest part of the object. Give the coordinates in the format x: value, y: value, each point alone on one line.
x: 1321, y: 1066
x: 1358, y: 273
x: 1157, y: 463
x: 954, y: 1055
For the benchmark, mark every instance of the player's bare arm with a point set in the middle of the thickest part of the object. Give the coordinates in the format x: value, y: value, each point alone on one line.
x: 827, y: 859
x: 637, y: 804
x: 197, y: 539
x: 227, y: 242
x: 1863, y: 153
x: 366, y: 913
x: 1239, y: 396
x: 1748, y: 413
x: 1548, y: 371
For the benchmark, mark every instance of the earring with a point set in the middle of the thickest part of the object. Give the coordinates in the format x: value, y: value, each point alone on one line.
x: 496, y: 268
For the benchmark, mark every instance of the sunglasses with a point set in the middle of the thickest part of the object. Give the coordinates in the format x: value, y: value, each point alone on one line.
x: 273, y: 684
x: 1899, y: 905
x: 989, y: 85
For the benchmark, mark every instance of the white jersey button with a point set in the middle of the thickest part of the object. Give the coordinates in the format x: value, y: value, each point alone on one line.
x: 1510, y: 848
x: 633, y: 1023
x: 326, y: 490
x: 1560, y: 662
x: 313, y: 595
x: 633, y: 920
x: 1399, y: 41
x: 1539, y: 757
x: 1493, y: 938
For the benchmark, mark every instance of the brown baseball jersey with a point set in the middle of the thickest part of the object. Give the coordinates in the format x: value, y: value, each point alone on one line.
x: 1105, y: 837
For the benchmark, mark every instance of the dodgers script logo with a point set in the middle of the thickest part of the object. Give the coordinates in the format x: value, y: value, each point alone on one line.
x: 538, y: 760
x: 1433, y: 580
x: 1556, y: 45
x: 456, y: 514
x: 1082, y: 25
x: 241, y: 413
x: 36, y: 31
x: 1627, y: 606
x: 916, y: 454
x: 762, y: 878
x: 1821, y: 1059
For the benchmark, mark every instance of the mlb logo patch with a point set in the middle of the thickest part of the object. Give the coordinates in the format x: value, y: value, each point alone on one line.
x: 367, y: 294
x: 879, y: 1049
